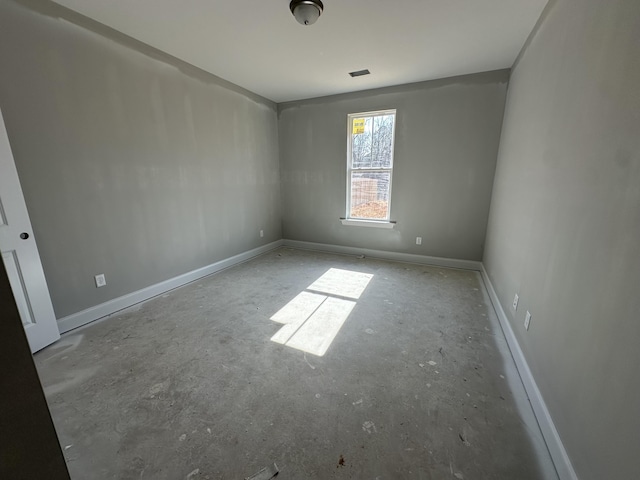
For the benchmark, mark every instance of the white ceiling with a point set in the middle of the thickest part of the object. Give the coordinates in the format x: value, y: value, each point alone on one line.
x: 258, y: 44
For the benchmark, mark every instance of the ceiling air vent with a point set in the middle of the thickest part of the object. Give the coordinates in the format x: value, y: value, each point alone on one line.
x: 360, y: 73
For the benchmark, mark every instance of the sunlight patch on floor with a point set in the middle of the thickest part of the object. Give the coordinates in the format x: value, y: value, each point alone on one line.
x: 312, y: 321
x: 343, y: 283
x: 302, y: 306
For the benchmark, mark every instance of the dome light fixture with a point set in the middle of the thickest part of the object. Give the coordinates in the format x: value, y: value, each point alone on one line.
x: 306, y: 11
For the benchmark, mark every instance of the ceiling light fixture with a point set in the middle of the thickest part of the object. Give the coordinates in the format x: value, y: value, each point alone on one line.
x: 306, y: 11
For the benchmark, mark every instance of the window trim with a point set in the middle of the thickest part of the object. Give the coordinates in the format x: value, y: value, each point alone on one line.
x: 369, y: 222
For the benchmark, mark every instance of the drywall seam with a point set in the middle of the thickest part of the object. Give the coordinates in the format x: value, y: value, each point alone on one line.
x: 534, y: 31
x: 59, y: 12
x: 547, y: 427
x: 490, y: 76
x: 385, y: 255
x: 83, y: 317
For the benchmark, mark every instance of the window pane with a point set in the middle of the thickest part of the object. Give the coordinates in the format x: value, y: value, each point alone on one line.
x: 373, y: 148
x: 382, y: 141
x: 361, y: 146
x: 370, y: 195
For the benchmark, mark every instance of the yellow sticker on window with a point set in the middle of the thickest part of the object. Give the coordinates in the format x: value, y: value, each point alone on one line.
x: 358, y: 126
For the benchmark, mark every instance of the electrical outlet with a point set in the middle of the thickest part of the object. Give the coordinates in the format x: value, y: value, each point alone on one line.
x: 515, y: 302
x: 261, y: 233
x: 418, y: 240
x: 100, y: 280
x: 527, y: 320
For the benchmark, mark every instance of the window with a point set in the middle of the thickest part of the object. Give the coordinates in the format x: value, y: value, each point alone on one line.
x: 370, y: 165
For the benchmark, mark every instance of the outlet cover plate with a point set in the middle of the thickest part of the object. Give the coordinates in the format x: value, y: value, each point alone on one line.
x: 515, y: 302
x: 100, y: 280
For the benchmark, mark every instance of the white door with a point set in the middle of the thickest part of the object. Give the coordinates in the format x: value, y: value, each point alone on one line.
x: 20, y: 255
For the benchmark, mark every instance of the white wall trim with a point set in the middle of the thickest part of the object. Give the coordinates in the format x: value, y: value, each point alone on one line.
x: 386, y: 255
x: 107, y: 308
x: 552, y: 438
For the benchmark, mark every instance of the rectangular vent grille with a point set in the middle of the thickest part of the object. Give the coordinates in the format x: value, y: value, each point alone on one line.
x: 360, y: 73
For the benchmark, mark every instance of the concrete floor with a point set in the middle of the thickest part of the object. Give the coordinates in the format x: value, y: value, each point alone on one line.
x: 417, y: 384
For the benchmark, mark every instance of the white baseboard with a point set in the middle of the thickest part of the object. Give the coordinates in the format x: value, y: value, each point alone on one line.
x: 554, y: 443
x: 386, y: 255
x: 107, y: 308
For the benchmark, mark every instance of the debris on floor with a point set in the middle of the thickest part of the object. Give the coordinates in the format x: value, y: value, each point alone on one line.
x: 223, y: 392
x: 267, y: 473
x: 193, y: 474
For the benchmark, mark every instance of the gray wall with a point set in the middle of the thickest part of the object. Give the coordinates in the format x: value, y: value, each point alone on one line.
x: 447, y: 135
x: 564, y: 227
x: 133, y: 163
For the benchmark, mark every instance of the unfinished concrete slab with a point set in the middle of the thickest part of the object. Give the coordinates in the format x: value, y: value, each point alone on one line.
x: 413, y: 380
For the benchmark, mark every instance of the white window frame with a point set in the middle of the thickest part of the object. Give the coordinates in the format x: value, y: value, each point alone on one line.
x: 364, y: 222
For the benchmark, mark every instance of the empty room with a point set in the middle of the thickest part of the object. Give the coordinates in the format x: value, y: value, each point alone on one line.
x: 320, y: 239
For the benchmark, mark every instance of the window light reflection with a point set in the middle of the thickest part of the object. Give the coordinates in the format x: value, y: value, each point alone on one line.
x: 311, y: 321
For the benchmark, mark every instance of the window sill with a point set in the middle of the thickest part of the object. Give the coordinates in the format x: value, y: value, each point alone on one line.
x: 367, y: 223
